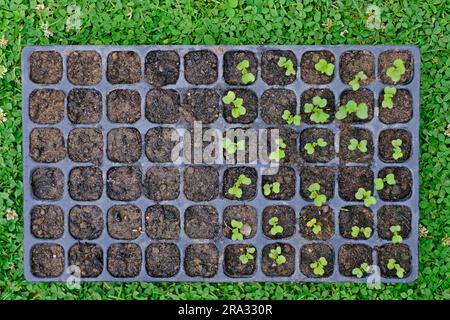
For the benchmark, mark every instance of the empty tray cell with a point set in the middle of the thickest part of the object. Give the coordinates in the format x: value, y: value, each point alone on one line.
x: 239, y: 183
x: 240, y: 222
x: 162, y: 260
x: 86, y: 183
x: 201, y: 222
x: 85, y: 145
x: 84, y: 106
x: 240, y: 260
x: 162, y: 183
x: 123, y: 67
x: 124, y: 183
x: 124, y: 145
x: 123, y: 106
x: 240, y: 67
x: 47, y: 145
x: 88, y: 257
x: 317, y: 145
x: 84, y: 67
x: 354, y: 259
x: 200, y: 67
x: 356, y: 222
x: 400, y: 72
x: 201, y: 183
x: 356, y: 145
x: 278, y: 67
x: 46, y: 67
x: 394, y: 145
x: 274, y: 104
x: 278, y: 222
x: 317, y: 106
x: 351, y: 179
x: 160, y: 143
x: 162, y: 106
x: 357, y: 65
x: 201, y: 260
x: 201, y: 104
x: 279, y: 185
x: 240, y: 106
x: 317, y: 67
x: 397, y: 108
x: 162, y: 222
x: 317, y: 223
x: 47, y: 183
x: 317, y: 260
x: 47, y: 106
x: 124, y: 222
x: 162, y: 67
x: 124, y: 260
x: 47, y: 222
x: 86, y: 222
x: 47, y: 260
x: 397, y: 217
x: 278, y: 260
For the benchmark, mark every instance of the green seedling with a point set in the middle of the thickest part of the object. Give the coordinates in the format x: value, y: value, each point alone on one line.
x: 396, y: 237
x: 392, y: 264
x: 397, y: 150
x: 236, y: 188
x: 316, y: 110
x: 290, y: 118
x: 279, y: 152
x: 311, y: 147
x: 248, y: 255
x: 237, y: 230
x: 247, y: 77
x: 318, y: 266
x: 360, y: 76
x: 288, y: 65
x: 238, y: 108
x: 360, y: 145
x: 396, y: 71
x: 319, y: 199
x: 359, y: 271
x: 271, y: 187
x: 314, y: 226
x: 232, y: 147
x: 361, y: 109
x: 275, y: 255
x: 324, y: 67
x: 362, y: 194
x: 276, y: 228
x: 366, y: 231
x: 388, y: 97
x: 388, y: 179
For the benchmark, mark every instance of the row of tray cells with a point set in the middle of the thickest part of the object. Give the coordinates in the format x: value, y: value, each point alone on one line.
x: 162, y: 67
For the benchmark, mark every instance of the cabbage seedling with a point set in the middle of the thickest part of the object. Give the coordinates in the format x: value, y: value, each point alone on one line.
x: 248, y: 255
x: 279, y: 153
x: 288, y: 65
x: 271, y: 187
x: 392, y: 264
x: 311, y: 147
x: 238, y: 108
x: 275, y: 255
x: 276, y: 228
x: 316, y: 110
x: 319, y: 199
x: 247, y: 77
x: 361, y: 109
x: 396, y: 237
x: 324, y: 67
x: 389, y: 93
x: 360, y: 145
x: 318, y: 266
x: 366, y: 231
x: 389, y: 179
x: 237, y: 230
x: 314, y: 226
x: 362, y: 194
x: 396, y: 71
x: 236, y: 188
x: 397, y: 150
x: 359, y: 271
x: 355, y: 82
x: 290, y: 118
x: 232, y: 147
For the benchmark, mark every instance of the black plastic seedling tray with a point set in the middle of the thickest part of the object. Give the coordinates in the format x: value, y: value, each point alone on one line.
x: 52, y: 244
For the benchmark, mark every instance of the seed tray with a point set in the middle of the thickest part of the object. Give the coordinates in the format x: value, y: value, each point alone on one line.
x: 43, y: 263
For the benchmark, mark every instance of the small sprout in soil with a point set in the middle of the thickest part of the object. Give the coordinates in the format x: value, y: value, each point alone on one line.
x: 275, y: 255
x: 247, y: 256
x: 238, y: 108
x: 396, y: 238
x: 237, y: 230
x: 271, y: 187
x: 355, y: 82
x: 318, y: 266
x: 359, y: 271
x: 319, y: 199
x: 314, y: 225
x: 324, y: 67
x: 316, y: 108
x: 236, y: 188
x: 290, y: 118
x: 276, y: 228
x: 366, y: 231
x: 392, y: 264
x: 362, y: 194
x: 360, y: 145
x: 279, y: 153
x: 396, y: 71
x: 232, y: 147
x: 389, y: 93
x: 389, y: 179
x: 288, y: 65
x: 362, y: 110
x: 397, y: 151
x: 247, y: 77
x: 311, y: 147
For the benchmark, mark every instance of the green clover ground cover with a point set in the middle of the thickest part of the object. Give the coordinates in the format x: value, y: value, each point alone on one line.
x: 423, y: 23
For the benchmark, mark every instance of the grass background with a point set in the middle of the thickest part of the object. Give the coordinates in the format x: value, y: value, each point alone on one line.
x: 423, y: 23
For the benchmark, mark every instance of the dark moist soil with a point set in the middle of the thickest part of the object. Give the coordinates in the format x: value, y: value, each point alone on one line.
x: 201, y: 183
x: 386, y: 60
x: 162, y: 106
x: 47, y: 222
x: 351, y: 179
x: 201, y: 260
x: 271, y: 73
x: 230, y: 177
x: 47, y: 183
x: 250, y: 154
x: 231, y: 59
x: 307, y: 97
x: 162, y: 222
x: 399, y: 252
x: 402, y: 111
x: 402, y: 189
x: 274, y: 102
x: 321, y: 154
x: 124, y: 222
x: 391, y: 215
x: 345, y: 154
x: 162, y: 183
x: 201, y: 105
x: 162, y: 67
x: 286, y: 177
x: 200, y: 147
x: 47, y: 106
x: 124, y: 260
x: 243, y: 213
x: 84, y: 67
x: 325, y: 218
x: 362, y: 95
x: 290, y: 138
x: 200, y: 67
x: 162, y: 260
x: 47, y: 260
x: 124, y: 145
x: 325, y: 176
x: 233, y: 267
x: 159, y: 144
x: 84, y: 106
x: 85, y: 183
x: 250, y: 103
x: 123, y: 67
x: 310, y: 253
x: 86, y: 222
x: 359, y: 216
x: 286, y: 219
x: 46, y: 67
x: 385, y: 148
x: 351, y: 256
x: 355, y: 61
x: 201, y: 222
x: 123, y: 106
x: 85, y: 145
x: 124, y: 183
x: 309, y: 73
x: 271, y: 268
x: 88, y: 257
x: 47, y: 145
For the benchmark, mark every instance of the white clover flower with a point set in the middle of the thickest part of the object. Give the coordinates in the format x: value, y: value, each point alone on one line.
x: 73, y: 21
x: 40, y: 6
x: 447, y: 130
x: 373, y: 20
x: 3, y: 71
x: 3, y: 42
x: 11, y: 214
x: 2, y: 116
x: 45, y: 29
